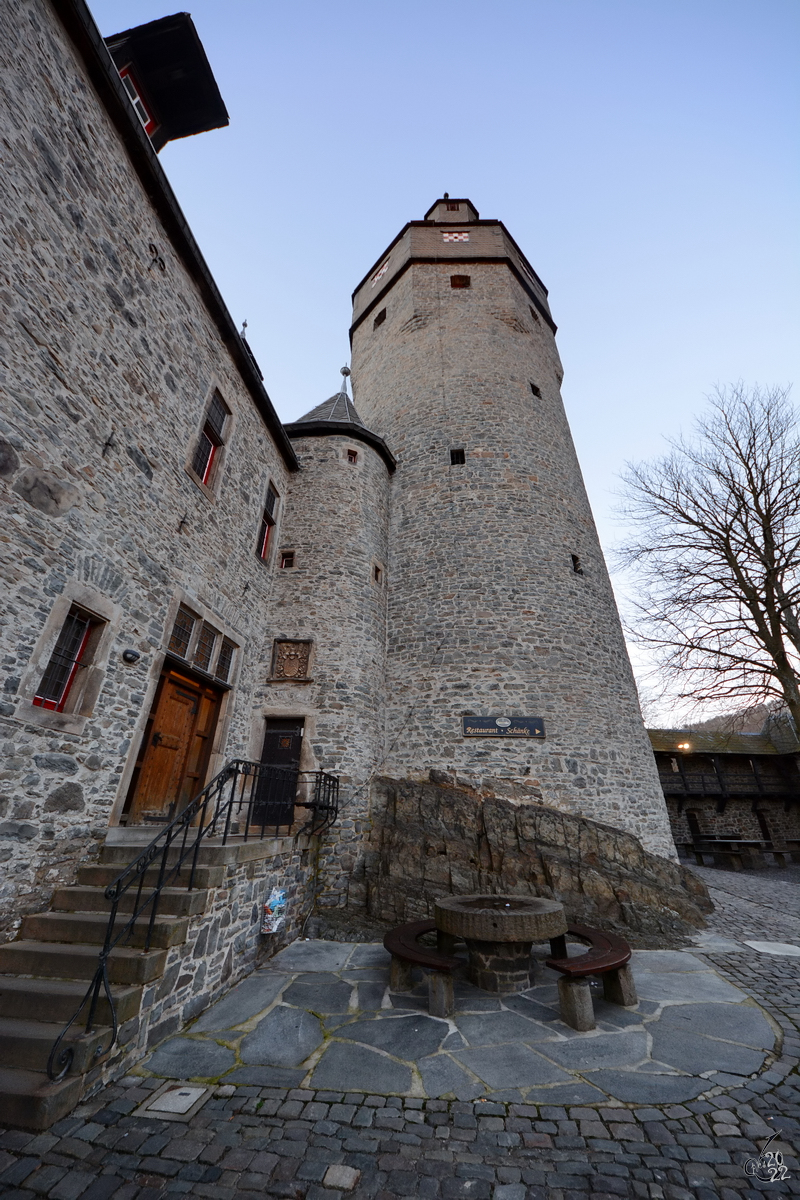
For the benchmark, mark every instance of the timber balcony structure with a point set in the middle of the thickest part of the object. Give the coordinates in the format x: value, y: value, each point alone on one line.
x: 71, y: 985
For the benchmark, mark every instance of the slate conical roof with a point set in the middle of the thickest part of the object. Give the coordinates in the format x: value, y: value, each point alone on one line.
x: 338, y: 415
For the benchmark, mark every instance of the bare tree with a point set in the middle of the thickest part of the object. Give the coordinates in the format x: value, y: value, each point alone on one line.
x: 715, y: 553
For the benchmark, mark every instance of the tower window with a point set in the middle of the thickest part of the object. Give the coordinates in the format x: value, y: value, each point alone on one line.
x: 287, y: 559
x: 352, y: 456
x: 457, y: 458
x: 576, y: 565
x: 381, y: 317
x: 140, y: 108
x: 534, y: 313
x: 460, y: 281
x: 451, y: 207
x: 536, y: 391
x: 267, y: 523
x: 72, y: 652
x: 377, y: 574
x: 182, y: 632
x: 211, y: 439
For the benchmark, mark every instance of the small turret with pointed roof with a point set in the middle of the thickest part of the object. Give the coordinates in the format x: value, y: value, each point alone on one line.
x: 337, y: 415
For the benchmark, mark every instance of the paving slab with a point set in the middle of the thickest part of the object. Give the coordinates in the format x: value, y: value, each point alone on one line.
x: 356, y: 1068
x: 190, y: 1058
x: 281, y: 1077
x: 564, y: 1093
x: 513, y: 1065
x: 370, y: 954
x: 695, y: 1053
x: 492, y: 1029
x: 408, y: 1037
x: 371, y: 995
x: 591, y: 1050
x: 644, y: 1087
x: 326, y: 997
x: 443, y: 1076
x: 666, y: 961
x: 685, y: 987
x: 781, y: 948
x: 313, y: 956
x: 247, y: 1000
x: 284, y: 1038
x: 734, y: 1022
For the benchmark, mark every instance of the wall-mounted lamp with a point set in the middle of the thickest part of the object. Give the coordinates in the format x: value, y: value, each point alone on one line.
x: 130, y: 656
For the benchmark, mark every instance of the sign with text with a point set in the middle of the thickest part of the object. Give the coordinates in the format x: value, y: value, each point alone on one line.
x: 507, y: 727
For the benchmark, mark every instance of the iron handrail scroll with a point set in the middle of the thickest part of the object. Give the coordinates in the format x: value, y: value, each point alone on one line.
x: 246, y: 801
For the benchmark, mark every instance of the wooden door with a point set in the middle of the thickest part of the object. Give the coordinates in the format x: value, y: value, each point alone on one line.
x: 175, y: 749
x: 276, y: 790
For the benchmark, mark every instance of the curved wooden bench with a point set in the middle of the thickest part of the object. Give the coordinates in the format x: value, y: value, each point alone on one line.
x: 403, y: 945
x: 608, y: 955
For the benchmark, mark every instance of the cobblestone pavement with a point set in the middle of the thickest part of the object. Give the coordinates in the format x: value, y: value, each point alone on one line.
x: 324, y: 1145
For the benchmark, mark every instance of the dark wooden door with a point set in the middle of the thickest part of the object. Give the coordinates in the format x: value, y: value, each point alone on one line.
x: 277, y: 785
x: 175, y: 750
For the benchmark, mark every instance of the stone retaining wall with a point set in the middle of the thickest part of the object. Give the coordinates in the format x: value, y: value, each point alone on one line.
x: 439, y: 838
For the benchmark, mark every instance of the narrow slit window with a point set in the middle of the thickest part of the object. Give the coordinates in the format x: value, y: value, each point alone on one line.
x: 205, y: 647
x: 225, y: 660
x: 287, y: 559
x: 267, y: 523
x: 182, y: 632
x: 460, y: 281
x: 576, y: 565
x: 381, y: 317
x: 211, y: 438
x: 534, y: 313
x: 457, y: 458
x: 537, y: 391
x: 377, y: 574
x: 68, y: 657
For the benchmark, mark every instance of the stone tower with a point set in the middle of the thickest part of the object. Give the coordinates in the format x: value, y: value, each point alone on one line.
x: 500, y: 605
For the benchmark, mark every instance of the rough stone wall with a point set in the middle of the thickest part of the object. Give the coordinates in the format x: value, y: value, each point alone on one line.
x: 106, y: 366
x: 336, y: 524
x: 738, y: 819
x: 222, y: 946
x: 486, y: 613
x: 437, y: 839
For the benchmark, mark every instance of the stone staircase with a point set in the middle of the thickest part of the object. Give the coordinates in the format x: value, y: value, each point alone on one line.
x: 44, y: 975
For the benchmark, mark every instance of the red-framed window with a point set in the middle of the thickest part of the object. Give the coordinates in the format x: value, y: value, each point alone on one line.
x: 268, y: 520
x: 211, y: 438
x: 68, y: 657
x: 139, y: 106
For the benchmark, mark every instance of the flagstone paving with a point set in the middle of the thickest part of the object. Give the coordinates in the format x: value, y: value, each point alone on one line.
x: 310, y: 1011
x: 271, y: 1130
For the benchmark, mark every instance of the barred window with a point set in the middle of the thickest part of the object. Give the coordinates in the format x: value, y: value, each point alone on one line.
x: 182, y: 632
x: 225, y: 660
x: 211, y: 438
x: 70, y: 654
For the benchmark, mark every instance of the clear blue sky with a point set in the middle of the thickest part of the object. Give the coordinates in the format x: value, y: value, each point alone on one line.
x: 643, y: 154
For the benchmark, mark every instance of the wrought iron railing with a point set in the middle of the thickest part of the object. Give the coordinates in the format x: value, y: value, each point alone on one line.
x: 246, y: 801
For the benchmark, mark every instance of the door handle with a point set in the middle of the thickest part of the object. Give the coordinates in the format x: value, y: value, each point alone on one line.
x: 156, y: 741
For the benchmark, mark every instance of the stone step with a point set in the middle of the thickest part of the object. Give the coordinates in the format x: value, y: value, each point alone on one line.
x: 29, y: 1100
x: 24, y: 998
x: 26, y: 1044
x: 174, y: 902
x: 102, y: 874
x: 59, y: 960
x: 90, y: 928
x: 209, y: 855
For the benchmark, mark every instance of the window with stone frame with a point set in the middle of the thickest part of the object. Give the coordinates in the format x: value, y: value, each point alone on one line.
x: 269, y: 519
x: 59, y: 687
x: 199, y: 643
x: 211, y: 440
x: 290, y: 659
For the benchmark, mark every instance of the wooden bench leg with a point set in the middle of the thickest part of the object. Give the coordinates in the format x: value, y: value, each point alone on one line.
x: 445, y: 942
x: 619, y: 988
x: 400, y: 975
x: 575, y: 1000
x: 440, y: 994
x: 558, y: 946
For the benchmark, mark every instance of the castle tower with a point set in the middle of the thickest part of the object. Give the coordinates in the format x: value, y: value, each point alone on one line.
x: 330, y: 594
x: 500, y: 605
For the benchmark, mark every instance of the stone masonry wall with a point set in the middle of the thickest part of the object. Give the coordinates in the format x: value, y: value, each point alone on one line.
x: 439, y: 838
x: 106, y: 366
x: 336, y: 524
x: 223, y: 945
x: 486, y: 614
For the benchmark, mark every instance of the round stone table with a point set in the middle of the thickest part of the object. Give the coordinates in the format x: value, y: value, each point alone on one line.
x: 499, y: 932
